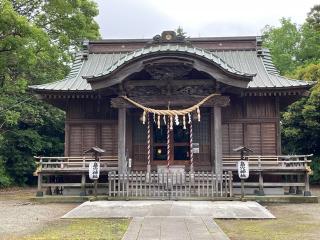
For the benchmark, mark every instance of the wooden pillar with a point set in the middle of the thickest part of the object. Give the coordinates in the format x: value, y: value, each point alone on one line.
x: 217, y: 140
x: 122, y: 163
x: 212, y: 144
x: 39, y: 190
x: 307, y: 186
x: 83, y: 185
x: 260, y: 192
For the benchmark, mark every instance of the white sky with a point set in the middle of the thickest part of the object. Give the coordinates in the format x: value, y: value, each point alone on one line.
x: 146, y: 18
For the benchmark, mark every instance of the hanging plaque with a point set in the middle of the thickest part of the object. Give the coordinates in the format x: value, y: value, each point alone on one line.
x: 94, y: 170
x: 243, y: 169
x: 195, y: 147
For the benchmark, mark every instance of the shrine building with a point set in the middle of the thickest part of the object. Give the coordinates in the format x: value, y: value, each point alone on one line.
x: 168, y: 113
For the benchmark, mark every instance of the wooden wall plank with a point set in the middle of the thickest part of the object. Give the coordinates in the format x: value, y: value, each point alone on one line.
x: 89, y: 137
x: 109, y: 139
x: 236, y: 136
x: 225, y: 139
x: 261, y: 107
x: 254, y: 138
x: 257, y: 128
x: 75, y: 140
x: 269, y: 139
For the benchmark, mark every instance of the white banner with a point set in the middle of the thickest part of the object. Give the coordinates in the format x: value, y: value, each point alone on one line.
x: 94, y: 170
x: 243, y: 169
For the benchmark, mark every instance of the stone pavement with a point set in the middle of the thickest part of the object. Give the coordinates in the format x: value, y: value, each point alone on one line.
x: 127, y: 209
x: 174, y: 228
x: 171, y: 220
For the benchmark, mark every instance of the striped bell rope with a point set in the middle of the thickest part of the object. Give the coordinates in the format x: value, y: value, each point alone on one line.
x: 149, y: 142
x: 168, y: 143
x: 191, y: 151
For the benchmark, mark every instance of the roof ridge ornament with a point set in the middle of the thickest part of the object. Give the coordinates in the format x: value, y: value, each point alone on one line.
x: 259, y: 46
x: 85, y: 49
x: 169, y: 37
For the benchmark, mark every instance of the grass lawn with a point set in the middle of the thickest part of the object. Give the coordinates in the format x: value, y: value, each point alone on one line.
x: 288, y: 225
x: 294, y: 221
x: 111, y: 229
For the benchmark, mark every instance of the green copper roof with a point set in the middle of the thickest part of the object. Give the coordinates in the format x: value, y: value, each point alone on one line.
x: 240, y: 62
x: 169, y: 48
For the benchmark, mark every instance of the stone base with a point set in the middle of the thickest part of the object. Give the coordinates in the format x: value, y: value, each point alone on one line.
x: 76, y: 191
x: 39, y: 194
x: 174, y: 169
x: 82, y: 194
x: 307, y: 193
x: 253, y: 191
x: 292, y: 190
x: 259, y: 192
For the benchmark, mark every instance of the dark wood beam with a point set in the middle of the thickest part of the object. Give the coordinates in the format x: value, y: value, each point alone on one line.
x: 179, y: 82
x: 163, y: 101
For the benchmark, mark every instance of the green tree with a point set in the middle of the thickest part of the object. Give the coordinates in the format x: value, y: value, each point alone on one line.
x: 292, y: 45
x: 296, y: 53
x: 313, y: 18
x: 301, y: 121
x: 283, y: 43
x: 37, y: 42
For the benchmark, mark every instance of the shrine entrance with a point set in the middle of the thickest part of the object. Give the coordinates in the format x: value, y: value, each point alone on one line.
x: 179, y: 142
x: 160, y: 98
x: 168, y: 154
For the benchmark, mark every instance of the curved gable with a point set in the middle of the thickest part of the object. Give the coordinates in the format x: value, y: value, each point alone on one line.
x: 200, y: 59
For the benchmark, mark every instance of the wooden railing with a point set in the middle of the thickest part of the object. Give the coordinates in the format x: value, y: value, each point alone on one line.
x: 260, y: 163
x: 295, y: 168
x: 170, y: 185
x: 256, y: 162
x: 50, y: 164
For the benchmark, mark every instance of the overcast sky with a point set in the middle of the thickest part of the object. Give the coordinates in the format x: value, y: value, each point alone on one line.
x: 146, y: 18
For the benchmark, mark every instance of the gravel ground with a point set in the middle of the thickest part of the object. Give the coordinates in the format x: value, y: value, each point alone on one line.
x: 18, y: 216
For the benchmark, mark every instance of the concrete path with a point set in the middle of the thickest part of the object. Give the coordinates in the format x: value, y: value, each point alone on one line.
x: 174, y: 228
x: 171, y: 220
x: 127, y: 209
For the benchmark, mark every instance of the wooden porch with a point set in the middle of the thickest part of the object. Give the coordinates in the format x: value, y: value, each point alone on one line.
x: 290, y: 172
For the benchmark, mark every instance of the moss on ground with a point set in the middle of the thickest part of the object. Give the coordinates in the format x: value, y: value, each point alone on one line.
x: 17, y: 193
x: 111, y: 229
x: 294, y: 221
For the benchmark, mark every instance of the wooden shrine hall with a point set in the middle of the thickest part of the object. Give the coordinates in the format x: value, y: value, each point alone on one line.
x: 168, y: 113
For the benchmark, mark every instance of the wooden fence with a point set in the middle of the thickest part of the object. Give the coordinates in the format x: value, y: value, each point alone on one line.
x: 170, y: 185
x: 75, y: 164
x: 293, y: 169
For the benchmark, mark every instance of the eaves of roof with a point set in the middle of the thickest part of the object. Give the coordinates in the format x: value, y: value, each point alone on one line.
x: 242, y: 62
